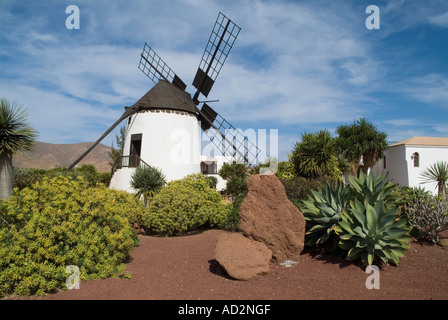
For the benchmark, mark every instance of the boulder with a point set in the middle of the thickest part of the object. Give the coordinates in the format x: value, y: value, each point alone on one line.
x: 268, y: 216
x: 242, y: 258
x: 443, y: 242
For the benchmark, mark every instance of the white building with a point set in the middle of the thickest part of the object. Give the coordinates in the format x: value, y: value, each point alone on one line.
x: 210, y: 166
x: 165, y: 134
x: 405, y: 161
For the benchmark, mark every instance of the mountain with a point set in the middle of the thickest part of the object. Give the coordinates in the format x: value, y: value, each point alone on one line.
x: 49, y: 156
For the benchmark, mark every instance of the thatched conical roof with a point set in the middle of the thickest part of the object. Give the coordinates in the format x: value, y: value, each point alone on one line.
x: 166, y: 96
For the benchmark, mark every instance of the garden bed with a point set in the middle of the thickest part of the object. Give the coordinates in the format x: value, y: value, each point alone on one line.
x: 184, y: 268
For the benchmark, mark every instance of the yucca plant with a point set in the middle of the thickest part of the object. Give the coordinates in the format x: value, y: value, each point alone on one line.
x: 437, y: 172
x: 16, y: 136
x: 147, y: 182
x: 368, y: 232
x: 322, y: 211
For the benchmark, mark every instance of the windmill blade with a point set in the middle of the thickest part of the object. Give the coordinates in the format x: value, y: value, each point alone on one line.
x: 230, y: 141
x: 129, y: 111
x: 218, y: 47
x: 155, y: 68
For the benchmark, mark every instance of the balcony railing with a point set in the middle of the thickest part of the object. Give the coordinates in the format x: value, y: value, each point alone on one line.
x: 133, y: 161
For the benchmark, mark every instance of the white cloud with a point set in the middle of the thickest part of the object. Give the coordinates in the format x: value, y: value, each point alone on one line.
x: 402, y: 122
x: 440, y: 20
x: 60, y: 118
x: 294, y: 63
x: 430, y: 88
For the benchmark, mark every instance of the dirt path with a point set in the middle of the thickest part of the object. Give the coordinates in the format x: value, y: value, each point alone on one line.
x: 184, y: 268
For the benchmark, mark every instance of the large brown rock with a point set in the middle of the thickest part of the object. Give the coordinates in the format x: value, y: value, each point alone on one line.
x: 242, y: 258
x: 267, y: 215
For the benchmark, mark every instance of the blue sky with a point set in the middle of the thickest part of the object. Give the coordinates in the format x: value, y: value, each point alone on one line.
x: 296, y: 66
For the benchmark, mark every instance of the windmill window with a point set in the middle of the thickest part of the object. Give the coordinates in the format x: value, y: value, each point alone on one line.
x: 209, y: 167
x: 416, y: 158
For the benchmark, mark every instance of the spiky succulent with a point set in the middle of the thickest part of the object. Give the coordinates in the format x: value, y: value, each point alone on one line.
x: 16, y: 135
x: 368, y: 232
x: 373, y: 188
x: 322, y: 211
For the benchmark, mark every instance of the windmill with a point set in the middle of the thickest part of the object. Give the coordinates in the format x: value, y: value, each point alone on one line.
x: 162, y: 126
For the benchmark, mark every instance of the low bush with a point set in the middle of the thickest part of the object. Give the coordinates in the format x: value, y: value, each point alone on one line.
x: 24, y: 178
x: 285, y: 170
x: 235, y: 174
x: 233, y: 218
x: 299, y: 188
x: 428, y: 215
x: 409, y: 194
x: 61, y: 222
x: 184, y: 206
x: 213, y: 181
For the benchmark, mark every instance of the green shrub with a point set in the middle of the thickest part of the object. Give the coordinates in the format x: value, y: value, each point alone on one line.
x: 233, y: 218
x: 87, y: 171
x: 285, y: 170
x: 61, y: 222
x: 213, y: 181
x: 409, y: 194
x: 236, y: 175
x: 299, y: 188
x: 185, y: 205
x: 322, y: 211
x: 23, y: 178
x: 428, y: 215
x: 104, y: 178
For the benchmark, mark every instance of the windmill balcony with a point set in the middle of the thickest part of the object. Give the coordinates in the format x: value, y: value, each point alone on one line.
x: 132, y: 161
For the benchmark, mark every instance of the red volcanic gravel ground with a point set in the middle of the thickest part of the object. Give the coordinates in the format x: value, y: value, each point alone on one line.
x: 183, y: 268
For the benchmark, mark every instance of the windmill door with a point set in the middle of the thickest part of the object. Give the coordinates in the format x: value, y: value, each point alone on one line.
x: 136, y: 148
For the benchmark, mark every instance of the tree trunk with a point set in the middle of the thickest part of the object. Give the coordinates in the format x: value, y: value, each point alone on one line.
x: 6, y: 175
x: 442, y: 189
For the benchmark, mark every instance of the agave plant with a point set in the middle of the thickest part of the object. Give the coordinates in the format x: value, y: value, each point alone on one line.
x: 368, y: 232
x: 372, y: 189
x: 322, y: 211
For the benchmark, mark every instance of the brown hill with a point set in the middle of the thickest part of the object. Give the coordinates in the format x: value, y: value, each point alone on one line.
x: 49, y: 156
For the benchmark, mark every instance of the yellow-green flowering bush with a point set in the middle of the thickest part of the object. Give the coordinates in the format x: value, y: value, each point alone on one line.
x: 185, y: 205
x: 62, y: 222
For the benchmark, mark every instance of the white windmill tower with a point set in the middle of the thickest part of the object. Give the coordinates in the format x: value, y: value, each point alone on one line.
x: 163, y: 134
x: 163, y: 127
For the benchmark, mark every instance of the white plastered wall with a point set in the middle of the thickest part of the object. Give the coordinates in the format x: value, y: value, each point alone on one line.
x: 170, y: 142
x: 400, y: 164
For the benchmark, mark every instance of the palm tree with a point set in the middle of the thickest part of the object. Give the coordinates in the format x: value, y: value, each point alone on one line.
x: 362, y: 144
x: 437, y: 172
x: 315, y: 155
x: 147, y: 182
x: 16, y: 136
